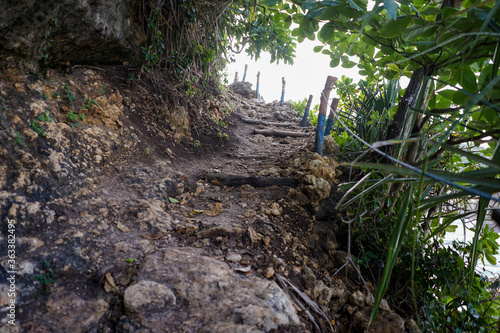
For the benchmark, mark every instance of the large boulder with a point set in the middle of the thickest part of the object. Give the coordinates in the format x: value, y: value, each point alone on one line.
x: 178, y: 288
x: 242, y: 88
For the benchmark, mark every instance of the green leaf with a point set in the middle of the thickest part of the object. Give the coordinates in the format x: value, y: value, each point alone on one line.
x: 335, y: 60
x: 315, y: 12
x: 448, y: 12
x: 270, y: 3
x: 348, y: 64
x: 331, y: 13
x: 306, y: 26
x: 392, y: 8
x: 327, y: 33
x: 318, y: 48
x: 308, y: 5
x: 354, y: 5
x: 466, y: 78
x: 394, y: 28
x: 393, y: 67
x: 173, y: 200
x: 417, y: 30
x: 491, y: 259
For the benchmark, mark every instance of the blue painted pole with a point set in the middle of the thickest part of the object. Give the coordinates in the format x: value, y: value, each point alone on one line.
x: 235, y: 76
x: 323, y: 106
x: 245, y: 74
x: 257, y: 88
x: 320, y: 134
x: 329, y: 125
x: 305, y: 119
x: 329, y: 121
x: 282, y: 91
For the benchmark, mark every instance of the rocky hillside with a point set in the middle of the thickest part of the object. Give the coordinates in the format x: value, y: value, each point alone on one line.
x: 135, y: 214
x: 131, y: 201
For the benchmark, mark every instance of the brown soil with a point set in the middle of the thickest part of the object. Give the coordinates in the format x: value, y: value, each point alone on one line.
x: 77, y: 250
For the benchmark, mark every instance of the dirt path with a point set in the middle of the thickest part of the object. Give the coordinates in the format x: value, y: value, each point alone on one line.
x: 148, y: 245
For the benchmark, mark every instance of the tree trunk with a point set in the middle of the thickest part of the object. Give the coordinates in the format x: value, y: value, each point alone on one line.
x: 402, y: 123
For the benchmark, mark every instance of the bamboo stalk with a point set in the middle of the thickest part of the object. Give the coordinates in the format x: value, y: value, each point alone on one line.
x: 323, y: 106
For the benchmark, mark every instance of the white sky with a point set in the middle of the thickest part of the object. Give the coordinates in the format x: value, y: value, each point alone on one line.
x: 306, y: 76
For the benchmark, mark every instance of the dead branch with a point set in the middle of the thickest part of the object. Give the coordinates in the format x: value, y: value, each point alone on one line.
x: 255, y: 181
x: 273, y: 132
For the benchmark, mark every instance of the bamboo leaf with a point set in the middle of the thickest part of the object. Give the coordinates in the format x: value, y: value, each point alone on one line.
x: 437, y: 175
x: 368, y: 190
x: 392, y: 253
x: 481, y: 214
x: 473, y: 157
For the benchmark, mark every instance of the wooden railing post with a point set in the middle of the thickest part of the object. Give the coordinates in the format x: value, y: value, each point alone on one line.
x: 306, y: 112
x: 329, y: 122
x: 283, y: 83
x: 258, y: 83
x: 323, y: 106
x: 235, y: 76
x: 245, y: 73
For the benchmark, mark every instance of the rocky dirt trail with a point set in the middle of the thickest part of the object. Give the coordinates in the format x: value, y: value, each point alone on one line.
x: 119, y: 230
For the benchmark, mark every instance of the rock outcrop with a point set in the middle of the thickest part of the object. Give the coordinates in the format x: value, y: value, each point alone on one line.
x: 184, y: 286
x: 67, y: 31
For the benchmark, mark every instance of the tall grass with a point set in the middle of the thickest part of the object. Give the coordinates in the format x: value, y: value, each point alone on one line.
x: 426, y: 209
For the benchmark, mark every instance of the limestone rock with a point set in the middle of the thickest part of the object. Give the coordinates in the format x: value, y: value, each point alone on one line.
x: 386, y: 322
x: 146, y: 295
x: 242, y: 88
x: 322, y: 294
x: 330, y: 147
x: 316, y: 189
x: 66, y: 31
x: 70, y: 313
x: 245, y: 303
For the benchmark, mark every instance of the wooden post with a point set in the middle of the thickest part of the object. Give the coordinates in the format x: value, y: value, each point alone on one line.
x: 329, y: 122
x: 323, y: 106
x: 306, y: 112
x: 257, y: 88
x: 245, y: 74
x: 283, y: 82
x: 235, y: 76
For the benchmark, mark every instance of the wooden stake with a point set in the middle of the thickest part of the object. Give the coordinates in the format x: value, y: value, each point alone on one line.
x: 323, y: 106
x: 329, y: 122
x: 235, y: 76
x: 306, y: 112
x: 258, y: 82
x: 245, y: 73
x: 283, y: 82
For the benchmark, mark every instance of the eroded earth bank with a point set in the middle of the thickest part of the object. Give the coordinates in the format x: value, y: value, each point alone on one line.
x: 133, y: 213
